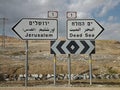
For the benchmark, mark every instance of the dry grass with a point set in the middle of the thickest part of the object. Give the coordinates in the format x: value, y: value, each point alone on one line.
x: 41, y: 65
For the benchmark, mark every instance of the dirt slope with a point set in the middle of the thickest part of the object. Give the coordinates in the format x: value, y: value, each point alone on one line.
x: 12, y: 58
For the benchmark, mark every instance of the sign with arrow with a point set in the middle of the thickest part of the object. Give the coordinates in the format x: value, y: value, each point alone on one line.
x: 72, y: 47
x: 84, y: 29
x: 37, y: 28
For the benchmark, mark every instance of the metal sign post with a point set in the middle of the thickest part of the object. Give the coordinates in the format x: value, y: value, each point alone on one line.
x: 3, y: 34
x: 26, y: 65
x: 90, y: 68
x: 54, y: 69
x: 69, y: 69
x: 37, y: 29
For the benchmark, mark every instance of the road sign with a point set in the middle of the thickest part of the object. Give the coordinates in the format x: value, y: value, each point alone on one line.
x: 71, y: 14
x: 72, y: 47
x: 37, y: 28
x: 52, y: 14
x: 86, y: 29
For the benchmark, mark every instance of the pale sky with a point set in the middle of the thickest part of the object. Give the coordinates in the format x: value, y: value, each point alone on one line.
x: 106, y: 12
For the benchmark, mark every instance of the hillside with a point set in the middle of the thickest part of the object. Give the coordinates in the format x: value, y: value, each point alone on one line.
x: 106, y: 59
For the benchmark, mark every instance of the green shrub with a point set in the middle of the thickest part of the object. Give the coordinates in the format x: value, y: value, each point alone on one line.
x: 111, y: 71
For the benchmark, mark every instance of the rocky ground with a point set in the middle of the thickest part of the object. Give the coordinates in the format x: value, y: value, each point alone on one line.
x: 106, y: 61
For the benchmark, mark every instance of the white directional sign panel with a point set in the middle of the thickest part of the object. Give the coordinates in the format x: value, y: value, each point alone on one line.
x: 84, y: 29
x: 72, y: 47
x: 37, y: 28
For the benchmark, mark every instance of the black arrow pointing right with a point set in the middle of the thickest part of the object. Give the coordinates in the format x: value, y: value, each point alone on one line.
x: 86, y: 47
